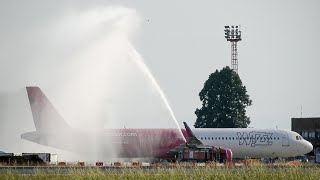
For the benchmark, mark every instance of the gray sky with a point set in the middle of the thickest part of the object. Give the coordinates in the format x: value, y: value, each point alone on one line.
x: 182, y: 42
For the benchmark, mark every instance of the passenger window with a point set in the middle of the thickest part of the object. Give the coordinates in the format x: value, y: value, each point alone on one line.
x: 232, y: 138
x: 229, y: 138
x: 205, y: 138
x: 278, y: 138
x: 219, y: 138
x: 297, y: 138
x: 215, y: 138
x: 201, y: 138
x: 222, y: 138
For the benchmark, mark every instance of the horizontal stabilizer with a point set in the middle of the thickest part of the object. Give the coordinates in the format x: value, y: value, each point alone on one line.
x: 31, y: 136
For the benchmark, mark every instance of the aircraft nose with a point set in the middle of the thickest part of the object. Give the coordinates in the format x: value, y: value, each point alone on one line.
x: 308, y: 147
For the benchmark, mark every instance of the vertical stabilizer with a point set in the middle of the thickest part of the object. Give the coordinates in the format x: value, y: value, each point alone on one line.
x: 45, y: 116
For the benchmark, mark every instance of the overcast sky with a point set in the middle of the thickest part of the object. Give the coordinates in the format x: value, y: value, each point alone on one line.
x: 181, y: 42
x: 278, y: 57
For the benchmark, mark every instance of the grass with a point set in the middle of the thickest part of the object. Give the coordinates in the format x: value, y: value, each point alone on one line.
x: 179, y: 172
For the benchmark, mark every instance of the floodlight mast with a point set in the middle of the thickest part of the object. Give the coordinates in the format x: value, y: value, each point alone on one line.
x: 233, y: 34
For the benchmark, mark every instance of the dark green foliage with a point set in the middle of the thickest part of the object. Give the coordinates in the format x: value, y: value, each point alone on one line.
x: 224, y: 100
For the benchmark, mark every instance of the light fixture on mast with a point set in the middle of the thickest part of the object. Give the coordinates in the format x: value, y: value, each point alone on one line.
x: 233, y: 34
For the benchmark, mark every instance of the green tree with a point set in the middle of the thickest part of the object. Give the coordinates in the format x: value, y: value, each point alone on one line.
x: 224, y: 100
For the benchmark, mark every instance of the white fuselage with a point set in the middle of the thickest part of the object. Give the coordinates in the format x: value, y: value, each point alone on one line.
x: 255, y: 143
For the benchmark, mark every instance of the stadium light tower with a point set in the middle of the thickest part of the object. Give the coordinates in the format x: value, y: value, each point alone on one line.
x: 233, y: 34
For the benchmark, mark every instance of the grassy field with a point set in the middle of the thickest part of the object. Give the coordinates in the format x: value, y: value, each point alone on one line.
x: 248, y: 172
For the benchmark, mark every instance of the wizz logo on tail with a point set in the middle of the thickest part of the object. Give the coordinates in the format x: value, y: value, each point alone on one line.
x: 255, y: 138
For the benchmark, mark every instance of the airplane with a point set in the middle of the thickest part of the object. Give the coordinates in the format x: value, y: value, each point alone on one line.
x: 52, y: 130
x: 255, y: 143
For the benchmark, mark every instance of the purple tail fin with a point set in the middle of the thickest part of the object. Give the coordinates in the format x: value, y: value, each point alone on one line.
x: 45, y: 116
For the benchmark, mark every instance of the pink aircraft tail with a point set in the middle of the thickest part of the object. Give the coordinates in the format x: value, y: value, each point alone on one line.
x: 191, y: 138
x: 45, y: 116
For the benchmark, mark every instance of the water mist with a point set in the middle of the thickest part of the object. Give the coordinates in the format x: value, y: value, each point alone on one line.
x: 89, y: 69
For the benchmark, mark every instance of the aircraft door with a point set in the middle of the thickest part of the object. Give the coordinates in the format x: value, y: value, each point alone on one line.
x: 285, y: 138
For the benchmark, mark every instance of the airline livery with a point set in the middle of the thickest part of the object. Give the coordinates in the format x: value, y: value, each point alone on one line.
x: 52, y: 130
x: 255, y: 143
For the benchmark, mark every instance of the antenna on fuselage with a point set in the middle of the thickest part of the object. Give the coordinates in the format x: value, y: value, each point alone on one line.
x: 277, y: 124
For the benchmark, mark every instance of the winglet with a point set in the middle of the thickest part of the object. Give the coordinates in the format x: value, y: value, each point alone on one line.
x: 190, y: 133
x: 192, y: 140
